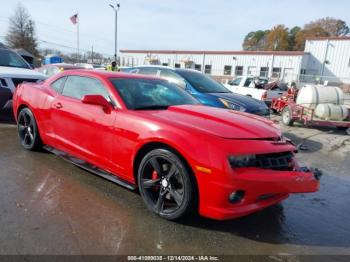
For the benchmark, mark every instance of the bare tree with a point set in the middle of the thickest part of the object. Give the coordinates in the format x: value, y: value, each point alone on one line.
x: 21, y: 32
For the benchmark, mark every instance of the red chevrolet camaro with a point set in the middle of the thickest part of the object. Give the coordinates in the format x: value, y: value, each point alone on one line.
x: 147, y: 133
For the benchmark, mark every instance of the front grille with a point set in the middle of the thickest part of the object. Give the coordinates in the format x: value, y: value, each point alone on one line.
x: 276, y: 161
x: 17, y: 81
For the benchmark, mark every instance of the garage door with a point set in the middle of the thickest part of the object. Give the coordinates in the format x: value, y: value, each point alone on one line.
x: 288, y: 75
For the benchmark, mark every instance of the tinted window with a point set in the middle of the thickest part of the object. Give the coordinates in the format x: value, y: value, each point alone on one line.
x: 173, y: 78
x: 78, y: 87
x: 202, y: 83
x: 151, y: 94
x: 58, y: 84
x: 148, y: 71
x: 248, y: 82
x: 12, y: 59
x: 236, y: 82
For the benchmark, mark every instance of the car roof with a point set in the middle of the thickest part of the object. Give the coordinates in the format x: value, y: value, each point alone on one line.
x: 107, y: 74
x: 64, y: 66
x: 155, y: 66
x: 168, y: 68
x: 187, y: 70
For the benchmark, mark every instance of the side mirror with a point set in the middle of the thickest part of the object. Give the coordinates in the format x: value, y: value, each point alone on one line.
x: 97, y: 100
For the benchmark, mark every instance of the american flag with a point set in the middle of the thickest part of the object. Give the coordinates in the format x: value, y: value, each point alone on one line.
x: 74, y: 19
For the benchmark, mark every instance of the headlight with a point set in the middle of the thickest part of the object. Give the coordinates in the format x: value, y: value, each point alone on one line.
x: 233, y: 106
x: 242, y: 161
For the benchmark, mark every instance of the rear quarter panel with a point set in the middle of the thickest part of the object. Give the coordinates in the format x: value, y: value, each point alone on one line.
x: 38, y: 99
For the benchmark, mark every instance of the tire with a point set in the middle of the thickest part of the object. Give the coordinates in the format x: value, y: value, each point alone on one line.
x: 28, y: 130
x: 287, y: 117
x: 166, y: 185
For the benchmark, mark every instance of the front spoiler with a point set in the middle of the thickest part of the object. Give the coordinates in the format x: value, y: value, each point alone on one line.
x: 256, y: 184
x: 302, y: 180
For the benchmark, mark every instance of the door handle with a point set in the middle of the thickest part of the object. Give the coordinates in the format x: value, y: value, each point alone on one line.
x: 58, y: 105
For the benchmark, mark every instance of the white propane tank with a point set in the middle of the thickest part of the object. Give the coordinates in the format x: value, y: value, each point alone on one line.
x: 313, y: 95
x: 331, y: 112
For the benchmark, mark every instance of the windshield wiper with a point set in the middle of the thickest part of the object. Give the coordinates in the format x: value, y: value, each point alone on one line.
x: 155, y: 107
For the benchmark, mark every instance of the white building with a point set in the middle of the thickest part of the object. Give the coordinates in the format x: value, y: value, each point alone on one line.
x: 327, y: 57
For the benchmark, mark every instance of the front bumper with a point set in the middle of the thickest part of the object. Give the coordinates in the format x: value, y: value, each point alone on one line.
x: 261, y: 187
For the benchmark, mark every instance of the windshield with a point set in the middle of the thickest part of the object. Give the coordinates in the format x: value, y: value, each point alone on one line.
x: 148, y: 94
x: 12, y: 59
x: 203, y: 83
x: 236, y: 82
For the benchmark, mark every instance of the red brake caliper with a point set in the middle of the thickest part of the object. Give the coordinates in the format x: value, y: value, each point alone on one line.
x: 155, y: 177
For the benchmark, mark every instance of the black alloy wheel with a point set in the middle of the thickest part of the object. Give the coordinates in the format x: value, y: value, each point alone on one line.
x: 165, y: 184
x: 28, y: 130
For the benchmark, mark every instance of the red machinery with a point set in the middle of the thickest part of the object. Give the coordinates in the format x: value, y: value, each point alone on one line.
x: 291, y: 112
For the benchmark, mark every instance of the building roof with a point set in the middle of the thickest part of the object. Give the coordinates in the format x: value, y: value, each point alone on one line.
x: 339, y: 38
x: 197, y: 52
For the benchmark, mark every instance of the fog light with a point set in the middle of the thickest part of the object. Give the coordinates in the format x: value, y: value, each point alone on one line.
x: 236, y: 197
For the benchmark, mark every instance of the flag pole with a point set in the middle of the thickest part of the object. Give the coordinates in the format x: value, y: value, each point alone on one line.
x: 78, y: 18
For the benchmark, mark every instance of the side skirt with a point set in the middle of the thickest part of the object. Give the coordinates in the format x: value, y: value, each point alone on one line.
x: 91, y: 168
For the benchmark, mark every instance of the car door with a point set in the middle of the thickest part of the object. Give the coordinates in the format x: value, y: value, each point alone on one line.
x: 83, y: 130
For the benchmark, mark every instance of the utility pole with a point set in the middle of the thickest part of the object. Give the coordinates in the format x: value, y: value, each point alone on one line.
x: 325, y: 60
x: 92, y: 54
x: 116, y: 9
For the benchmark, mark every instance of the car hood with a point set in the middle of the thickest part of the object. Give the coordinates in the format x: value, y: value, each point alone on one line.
x: 245, y: 101
x: 15, y: 72
x: 219, y: 122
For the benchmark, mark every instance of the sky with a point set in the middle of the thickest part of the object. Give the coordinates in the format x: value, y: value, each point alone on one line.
x: 165, y: 24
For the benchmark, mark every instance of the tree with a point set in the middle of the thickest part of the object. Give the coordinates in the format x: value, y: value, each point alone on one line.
x: 334, y: 27
x: 292, y: 37
x: 277, y: 39
x: 21, y: 33
x: 296, y: 37
x: 255, y: 41
x: 96, y: 57
x: 302, y: 35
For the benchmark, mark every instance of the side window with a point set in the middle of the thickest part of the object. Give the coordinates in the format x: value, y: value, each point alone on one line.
x: 173, y: 78
x: 79, y: 86
x: 58, y: 84
x: 236, y: 82
x: 248, y: 82
x: 148, y: 71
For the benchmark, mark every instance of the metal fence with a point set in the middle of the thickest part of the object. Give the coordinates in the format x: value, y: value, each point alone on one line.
x: 228, y: 73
